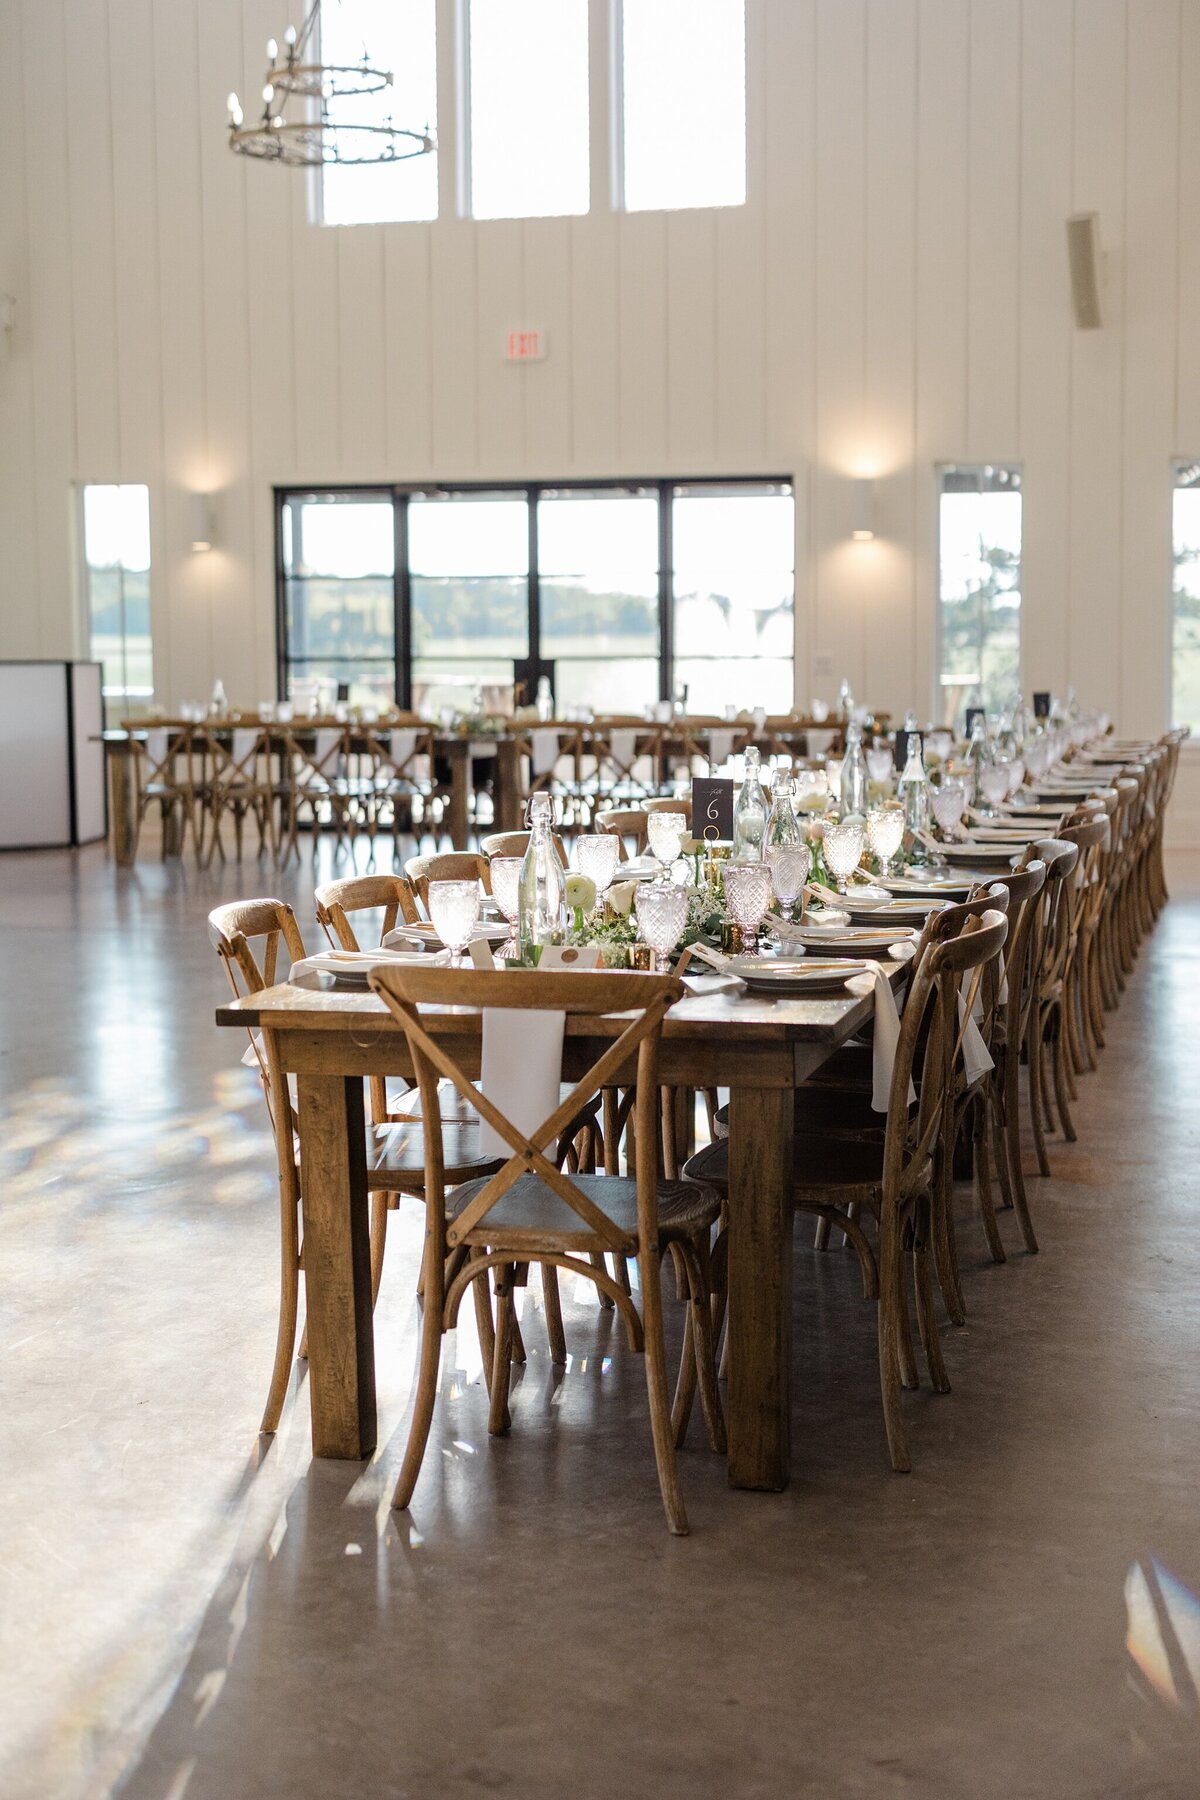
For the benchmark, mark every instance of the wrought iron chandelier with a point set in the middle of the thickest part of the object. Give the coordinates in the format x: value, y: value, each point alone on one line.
x: 320, y: 130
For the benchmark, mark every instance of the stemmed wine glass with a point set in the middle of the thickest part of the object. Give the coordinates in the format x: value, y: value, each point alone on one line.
x: 948, y: 802
x: 789, y: 865
x: 994, y: 782
x: 661, y: 915
x: 885, y: 834
x: 843, y: 851
x: 665, y: 831
x: 454, y: 910
x: 748, y: 888
x: 598, y: 857
x: 506, y: 891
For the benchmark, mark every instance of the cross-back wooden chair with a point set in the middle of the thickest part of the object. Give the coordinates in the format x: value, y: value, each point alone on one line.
x: 241, y: 784
x: 449, y: 865
x: 235, y: 931
x: 516, y: 843
x: 1092, y: 833
x: 1046, y: 1042
x: 893, y: 1175
x: 622, y: 823
x: 531, y: 1211
x: 159, y: 782
x: 316, y: 781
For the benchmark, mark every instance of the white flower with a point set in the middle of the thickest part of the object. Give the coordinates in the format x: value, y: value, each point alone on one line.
x: 620, y: 896
x: 581, y: 892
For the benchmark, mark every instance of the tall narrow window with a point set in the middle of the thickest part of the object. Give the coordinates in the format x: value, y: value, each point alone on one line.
x: 399, y: 35
x: 683, y: 103
x: 338, y: 573
x: 734, y: 561
x: 528, y: 108
x: 469, y: 560
x: 598, y: 580
x: 979, y: 587
x: 116, y: 556
x: 1185, y: 638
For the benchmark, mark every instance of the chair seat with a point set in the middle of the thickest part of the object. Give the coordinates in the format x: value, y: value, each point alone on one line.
x: 819, y: 1163
x: 531, y: 1214
x: 397, y: 1155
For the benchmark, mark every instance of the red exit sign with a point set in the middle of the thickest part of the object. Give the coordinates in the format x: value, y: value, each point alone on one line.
x: 525, y: 346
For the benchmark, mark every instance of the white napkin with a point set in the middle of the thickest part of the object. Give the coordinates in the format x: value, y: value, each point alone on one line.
x: 819, y: 710
x: 887, y: 1030
x: 333, y: 962
x: 327, y: 742
x: 976, y: 1057
x: 521, y: 1072
x: 543, y: 751
x: 623, y: 747
x: 760, y: 719
x: 720, y: 747
x: 401, y: 745
x: 156, y: 748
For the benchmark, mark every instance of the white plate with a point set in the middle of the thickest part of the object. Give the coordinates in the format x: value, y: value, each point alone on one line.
x: 932, y: 886
x: 852, y: 940
x: 979, y: 853
x: 763, y: 976
x: 904, y: 910
x: 642, y: 868
x: 426, y: 935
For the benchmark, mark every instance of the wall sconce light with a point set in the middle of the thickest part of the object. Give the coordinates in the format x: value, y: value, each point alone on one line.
x: 863, y: 526
x: 203, y: 535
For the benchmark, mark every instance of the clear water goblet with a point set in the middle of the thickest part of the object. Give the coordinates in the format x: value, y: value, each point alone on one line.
x: 948, y: 802
x: 885, y: 834
x: 1016, y: 775
x: 789, y: 865
x: 506, y: 885
x: 454, y: 910
x: 843, y: 851
x: 994, y: 783
x: 665, y: 831
x: 598, y: 857
x: 661, y: 915
x: 748, y: 890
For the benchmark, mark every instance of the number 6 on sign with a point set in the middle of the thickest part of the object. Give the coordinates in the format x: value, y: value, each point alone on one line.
x: 712, y: 809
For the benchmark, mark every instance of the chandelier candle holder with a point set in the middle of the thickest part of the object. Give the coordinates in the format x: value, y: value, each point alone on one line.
x: 321, y: 129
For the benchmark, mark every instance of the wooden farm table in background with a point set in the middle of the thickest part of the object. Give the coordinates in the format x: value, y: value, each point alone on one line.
x: 758, y: 1048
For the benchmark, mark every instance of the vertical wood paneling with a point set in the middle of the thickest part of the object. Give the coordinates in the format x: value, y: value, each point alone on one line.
x: 319, y: 334
x: 840, y: 250
x: 500, y: 308
x: 362, y: 391
x: 594, y: 348
x: 454, y: 350
x: 889, y: 416
x: 89, y: 129
x: 1097, y: 362
x: 1045, y: 328
x: 547, y: 303
x: 1187, y: 399
x: 19, y: 613
x: 408, y: 351
x: 993, y: 229
x: 642, y: 311
x: 741, y: 280
x: 691, y: 340
x: 1151, y: 284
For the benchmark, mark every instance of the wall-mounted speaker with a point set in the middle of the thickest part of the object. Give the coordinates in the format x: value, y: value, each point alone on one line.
x: 1083, y: 253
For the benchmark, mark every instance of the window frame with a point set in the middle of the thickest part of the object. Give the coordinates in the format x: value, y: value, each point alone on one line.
x: 1179, y: 466
x: 535, y: 664
x: 940, y: 470
x: 127, y: 708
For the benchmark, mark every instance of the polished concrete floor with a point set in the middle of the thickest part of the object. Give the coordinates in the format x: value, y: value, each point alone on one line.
x: 188, y: 1610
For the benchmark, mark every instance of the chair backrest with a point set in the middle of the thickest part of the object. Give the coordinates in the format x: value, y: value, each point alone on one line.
x: 1025, y: 887
x: 931, y: 1026
x: 336, y: 900
x: 642, y: 1000
x: 516, y: 843
x: 451, y: 865
x: 623, y: 824
x: 232, y: 930
x: 1056, y: 923
x: 669, y: 803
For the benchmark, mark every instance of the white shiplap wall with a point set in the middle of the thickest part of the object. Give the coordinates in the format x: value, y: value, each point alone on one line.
x: 893, y: 295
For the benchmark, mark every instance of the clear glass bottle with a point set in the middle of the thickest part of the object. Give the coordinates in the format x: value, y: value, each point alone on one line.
x: 218, y: 706
x: 854, y: 774
x: 978, y: 758
x: 545, y: 698
x: 914, y: 792
x: 783, y: 827
x: 541, y: 884
x: 845, y: 698
x: 750, y: 813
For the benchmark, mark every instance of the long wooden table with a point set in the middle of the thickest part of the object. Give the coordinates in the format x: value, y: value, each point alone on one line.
x: 758, y: 1048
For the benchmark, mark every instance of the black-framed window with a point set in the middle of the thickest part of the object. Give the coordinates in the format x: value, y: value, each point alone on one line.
x: 623, y: 593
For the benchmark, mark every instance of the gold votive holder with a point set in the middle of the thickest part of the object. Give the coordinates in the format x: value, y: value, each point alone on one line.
x: 733, y: 938
x: 641, y: 956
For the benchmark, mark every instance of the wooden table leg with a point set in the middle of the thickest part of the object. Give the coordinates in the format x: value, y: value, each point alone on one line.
x: 336, y: 1250
x: 508, y: 786
x: 122, y: 803
x: 760, y: 1286
x: 458, y: 816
